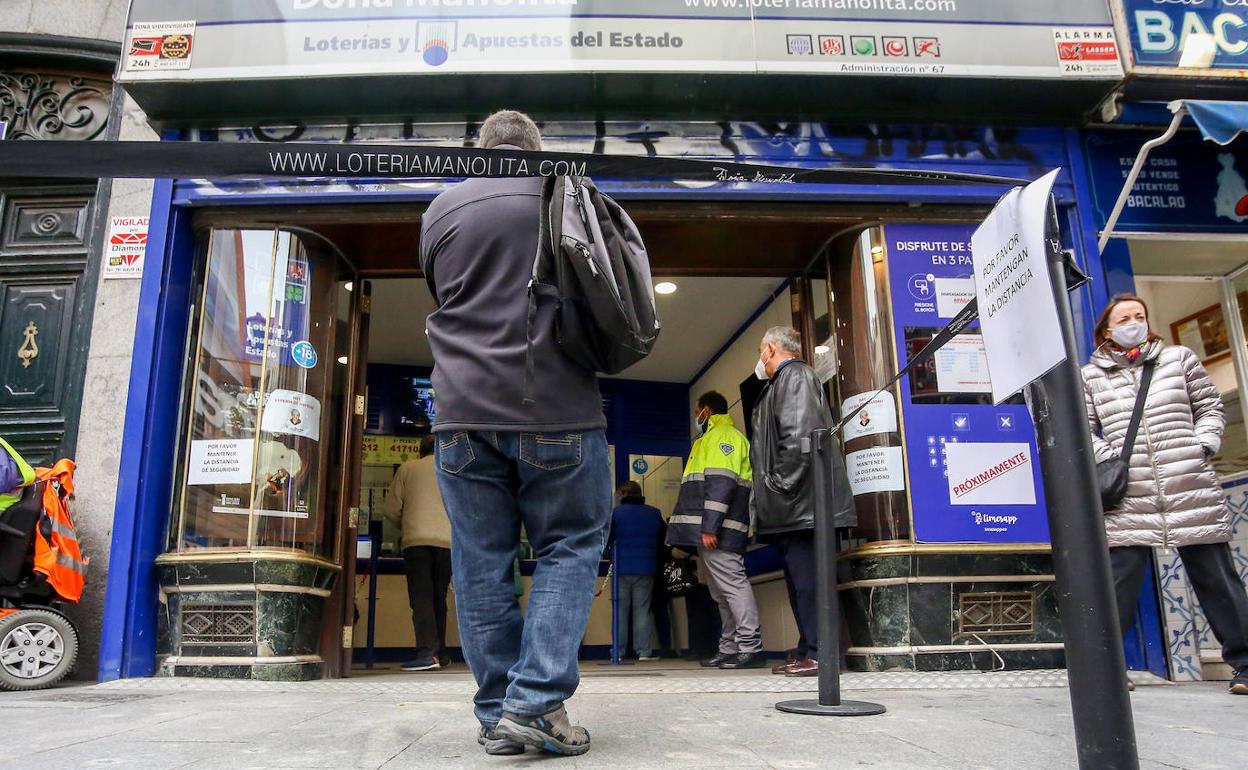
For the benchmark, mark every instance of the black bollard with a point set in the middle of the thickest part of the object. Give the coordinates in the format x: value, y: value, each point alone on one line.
x: 1095, y: 664
x: 829, y: 702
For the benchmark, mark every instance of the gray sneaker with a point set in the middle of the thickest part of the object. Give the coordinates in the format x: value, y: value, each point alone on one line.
x: 496, y: 745
x: 552, y: 732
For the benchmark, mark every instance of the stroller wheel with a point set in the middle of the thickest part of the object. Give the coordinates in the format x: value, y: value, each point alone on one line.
x: 38, y: 648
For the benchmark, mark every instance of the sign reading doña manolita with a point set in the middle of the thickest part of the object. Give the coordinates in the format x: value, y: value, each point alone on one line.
x: 187, y: 40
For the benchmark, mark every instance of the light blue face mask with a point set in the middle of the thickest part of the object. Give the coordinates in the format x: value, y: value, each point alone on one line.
x: 1129, y: 336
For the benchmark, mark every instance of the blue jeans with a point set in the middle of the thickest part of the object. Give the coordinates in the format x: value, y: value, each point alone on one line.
x: 632, y: 600
x: 558, y: 485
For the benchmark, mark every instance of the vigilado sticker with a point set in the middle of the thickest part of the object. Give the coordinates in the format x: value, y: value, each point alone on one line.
x: 127, y: 242
x: 303, y: 354
x: 163, y: 45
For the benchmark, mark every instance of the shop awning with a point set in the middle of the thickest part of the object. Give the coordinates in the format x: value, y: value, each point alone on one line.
x: 1218, y: 122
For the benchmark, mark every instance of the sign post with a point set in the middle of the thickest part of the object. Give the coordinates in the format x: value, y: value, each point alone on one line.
x: 1030, y: 340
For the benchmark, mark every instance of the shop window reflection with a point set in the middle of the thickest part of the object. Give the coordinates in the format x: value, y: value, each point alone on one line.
x: 265, y: 396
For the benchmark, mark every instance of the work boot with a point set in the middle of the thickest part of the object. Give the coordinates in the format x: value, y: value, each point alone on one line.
x: 552, y: 732
x: 717, y: 659
x: 1239, y: 685
x: 744, y: 660
x: 497, y: 745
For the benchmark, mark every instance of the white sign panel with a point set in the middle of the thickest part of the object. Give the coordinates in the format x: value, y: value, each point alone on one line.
x: 879, y: 416
x: 1017, y: 312
x: 292, y: 413
x: 220, y: 461
x: 879, y: 469
x: 962, y: 366
x: 990, y: 474
x: 952, y: 294
x: 127, y: 243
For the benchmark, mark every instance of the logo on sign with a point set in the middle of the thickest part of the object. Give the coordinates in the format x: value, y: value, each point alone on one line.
x: 927, y: 46
x: 832, y: 45
x: 640, y: 466
x: 896, y: 46
x: 800, y: 45
x: 303, y: 354
x: 863, y: 45
x: 1082, y: 51
x: 437, y: 39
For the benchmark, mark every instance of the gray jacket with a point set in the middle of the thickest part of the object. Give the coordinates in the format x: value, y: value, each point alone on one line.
x: 477, y: 244
x: 790, y: 407
x: 1173, y: 495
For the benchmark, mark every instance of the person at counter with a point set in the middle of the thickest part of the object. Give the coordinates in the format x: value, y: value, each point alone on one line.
x: 414, y: 505
x: 791, y: 406
x: 637, y: 533
x: 712, y: 516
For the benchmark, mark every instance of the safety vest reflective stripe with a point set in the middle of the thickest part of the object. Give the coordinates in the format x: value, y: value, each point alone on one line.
x: 738, y: 526
x: 711, y: 505
x: 68, y: 562
x: 64, y: 530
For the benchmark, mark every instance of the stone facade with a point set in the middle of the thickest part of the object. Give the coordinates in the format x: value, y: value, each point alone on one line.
x: 56, y: 62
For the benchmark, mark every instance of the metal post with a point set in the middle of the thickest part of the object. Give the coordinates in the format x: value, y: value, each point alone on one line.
x: 1095, y: 663
x: 829, y: 702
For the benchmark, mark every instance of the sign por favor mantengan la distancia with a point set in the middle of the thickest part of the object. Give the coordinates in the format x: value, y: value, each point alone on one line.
x: 187, y: 40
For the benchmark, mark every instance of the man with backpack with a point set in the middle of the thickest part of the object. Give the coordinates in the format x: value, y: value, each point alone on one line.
x: 520, y: 433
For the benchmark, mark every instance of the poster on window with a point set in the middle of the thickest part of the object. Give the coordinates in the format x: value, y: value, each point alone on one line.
x: 220, y: 461
x: 878, y: 416
x: 292, y: 413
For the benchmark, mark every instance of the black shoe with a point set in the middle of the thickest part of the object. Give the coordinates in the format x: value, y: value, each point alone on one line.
x: 552, y: 732
x: 717, y: 660
x: 744, y: 660
x: 497, y: 745
x: 1239, y: 685
x: 429, y: 663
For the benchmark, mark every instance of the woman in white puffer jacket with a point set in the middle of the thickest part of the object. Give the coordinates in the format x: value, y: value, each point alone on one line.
x: 1174, y: 499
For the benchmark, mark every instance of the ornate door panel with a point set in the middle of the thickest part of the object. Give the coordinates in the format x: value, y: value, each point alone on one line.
x: 44, y: 326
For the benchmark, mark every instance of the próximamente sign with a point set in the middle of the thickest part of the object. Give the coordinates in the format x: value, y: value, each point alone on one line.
x: 192, y: 40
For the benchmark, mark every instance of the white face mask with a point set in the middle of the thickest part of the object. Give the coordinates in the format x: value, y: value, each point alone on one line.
x: 1130, y: 335
x: 760, y: 370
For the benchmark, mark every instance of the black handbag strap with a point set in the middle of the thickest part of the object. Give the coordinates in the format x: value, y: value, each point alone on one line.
x: 1137, y: 416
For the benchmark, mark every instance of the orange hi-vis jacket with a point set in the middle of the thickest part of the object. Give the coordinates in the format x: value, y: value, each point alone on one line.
x: 57, y: 554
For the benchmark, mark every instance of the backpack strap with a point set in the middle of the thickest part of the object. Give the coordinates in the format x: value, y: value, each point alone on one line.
x: 1137, y: 415
x: 549, y: 233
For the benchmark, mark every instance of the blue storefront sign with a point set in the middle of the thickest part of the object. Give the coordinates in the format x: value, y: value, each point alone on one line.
x: 1188, y: 185
x: 974, y: 473
x: 1213, y: 32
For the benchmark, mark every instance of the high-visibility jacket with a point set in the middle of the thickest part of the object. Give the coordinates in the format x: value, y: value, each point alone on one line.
x: 57, y: 554
x: 715, y: 492
x: 8, y: 497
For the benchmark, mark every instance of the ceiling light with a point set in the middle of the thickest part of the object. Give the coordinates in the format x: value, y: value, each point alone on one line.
x: 821, y: 350
x: 342, y: 360
x: 349, y: 286
x: 665, y: 287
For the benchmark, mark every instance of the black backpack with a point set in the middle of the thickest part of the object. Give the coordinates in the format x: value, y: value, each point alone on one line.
x: 591, y: 260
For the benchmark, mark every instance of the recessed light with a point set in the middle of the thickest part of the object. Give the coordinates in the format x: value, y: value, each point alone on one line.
x: 342, y: 360
x: 821, y: 350
x: 665, y: 287
x: 349, y: 285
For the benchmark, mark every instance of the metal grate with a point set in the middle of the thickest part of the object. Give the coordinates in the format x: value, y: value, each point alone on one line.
x: 218, y: 623
x: 1006, y: 612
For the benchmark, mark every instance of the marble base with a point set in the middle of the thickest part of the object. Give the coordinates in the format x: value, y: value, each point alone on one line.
x: 252, y: 617
x: 950, y: 612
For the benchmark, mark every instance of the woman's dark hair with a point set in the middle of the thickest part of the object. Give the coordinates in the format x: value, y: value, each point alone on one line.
x: 715, y: 401
x: 629, y: 489
x: 1102, y: 323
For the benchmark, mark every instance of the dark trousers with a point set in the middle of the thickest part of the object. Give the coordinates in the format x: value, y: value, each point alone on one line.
x: 660, y: 605
x: 1211, y: 568
x: 801, y: 577
x: 428, y: 577
x: 702, y: 615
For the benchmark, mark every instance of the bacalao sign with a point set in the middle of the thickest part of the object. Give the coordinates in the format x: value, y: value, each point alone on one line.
x: 191, y: 40
x: 1185, y: 38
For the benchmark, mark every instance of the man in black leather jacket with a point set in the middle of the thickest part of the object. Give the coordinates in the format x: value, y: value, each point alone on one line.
x: 791, y: 406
